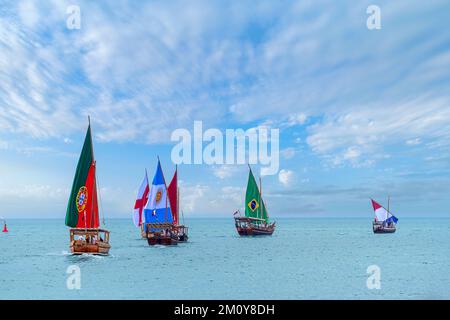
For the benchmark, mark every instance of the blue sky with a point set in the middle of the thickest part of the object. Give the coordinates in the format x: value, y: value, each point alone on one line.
x: 362, y: 113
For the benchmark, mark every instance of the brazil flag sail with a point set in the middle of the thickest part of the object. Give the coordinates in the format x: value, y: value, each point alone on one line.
x: 82, y: 210
x: 254, y: 205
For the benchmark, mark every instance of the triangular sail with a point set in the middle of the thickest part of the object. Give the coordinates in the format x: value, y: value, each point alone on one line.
x: 254, y: 205
x: 82, y: 209
x: 172, y: 191
x: 157, y: 209
x: 141, y: 201
x: 381, y: 214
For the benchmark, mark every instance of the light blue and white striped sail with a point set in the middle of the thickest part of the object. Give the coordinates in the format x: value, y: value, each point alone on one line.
x: 157, y: 209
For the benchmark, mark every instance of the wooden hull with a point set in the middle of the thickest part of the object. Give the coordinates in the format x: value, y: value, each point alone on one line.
x: 89, y: 241
x: 161, y: 240
x: 379, y: 228
x: 253, y: 227
x: 252, y: 231
x: 100, y: 248
x: 384, y: 230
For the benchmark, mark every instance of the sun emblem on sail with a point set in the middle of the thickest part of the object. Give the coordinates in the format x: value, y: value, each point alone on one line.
x: 82, y: 198
x: 158, y: 195
x: 253, y: 205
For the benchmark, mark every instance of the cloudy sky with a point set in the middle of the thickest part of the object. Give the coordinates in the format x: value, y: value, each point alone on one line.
x: 362, y: 113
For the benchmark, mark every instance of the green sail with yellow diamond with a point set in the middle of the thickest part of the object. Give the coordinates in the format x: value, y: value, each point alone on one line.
x: 254, y: 205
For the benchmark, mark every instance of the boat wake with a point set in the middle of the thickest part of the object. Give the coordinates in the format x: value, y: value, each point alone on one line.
x: 62, y: 253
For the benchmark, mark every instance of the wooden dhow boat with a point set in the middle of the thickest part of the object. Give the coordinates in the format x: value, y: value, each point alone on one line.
x: 162, y: 234
x: 158, y: 226
x: 256, y: 219
x: 384, y: 221
x: 82, y: 211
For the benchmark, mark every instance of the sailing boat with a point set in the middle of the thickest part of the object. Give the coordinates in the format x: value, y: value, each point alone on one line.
x: 5, y: 228
x: 141, y: 201
x: 174, y: 199
x: 384, y: 221
x: 159, y: 228
x: 82, y: 211
x: 256, y: 220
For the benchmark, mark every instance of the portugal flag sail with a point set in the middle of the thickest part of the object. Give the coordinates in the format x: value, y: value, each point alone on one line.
x: 82, y: 210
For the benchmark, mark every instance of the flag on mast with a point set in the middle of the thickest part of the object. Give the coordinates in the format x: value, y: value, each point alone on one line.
x: 82, y: 209
x: 157, y: 209
x: 254, y: 205
x: 381, y: 214
x: 141, y: 201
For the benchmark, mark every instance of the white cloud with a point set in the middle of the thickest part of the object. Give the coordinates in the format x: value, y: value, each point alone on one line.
x: 154, y: 67
x: 4, y: 145
x: 297, y: 119
x: 413, y: 142
x: 193, y: 200
x: 33, y: 192
x: 288, y: 153
x: 286, y: 177
x: 359, y: 136
x: 28, y: 13
x: 226, y: 171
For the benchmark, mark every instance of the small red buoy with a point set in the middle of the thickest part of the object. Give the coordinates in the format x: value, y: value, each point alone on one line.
x: 5, y: 229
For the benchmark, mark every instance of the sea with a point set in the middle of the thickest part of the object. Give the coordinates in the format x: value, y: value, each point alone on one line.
x: 306, y: 258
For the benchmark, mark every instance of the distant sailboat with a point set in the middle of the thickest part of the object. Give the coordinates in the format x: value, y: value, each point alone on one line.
x: 174, y: 199
x: 5, y: 228
x: 141, y: 201
x: 256, y: 220
x: 82, y: 211
x: 384, y: 221
x: 159, y: 228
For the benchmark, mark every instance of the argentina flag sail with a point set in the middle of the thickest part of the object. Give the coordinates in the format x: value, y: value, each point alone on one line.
x: 157, y: 209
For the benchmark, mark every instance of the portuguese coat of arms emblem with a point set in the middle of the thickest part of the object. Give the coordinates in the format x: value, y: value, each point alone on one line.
x: 82, y: 198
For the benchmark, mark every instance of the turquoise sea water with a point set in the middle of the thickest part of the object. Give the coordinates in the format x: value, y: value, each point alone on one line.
x: 304, y: 259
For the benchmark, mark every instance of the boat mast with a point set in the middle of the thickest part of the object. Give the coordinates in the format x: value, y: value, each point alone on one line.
x: 178, y: 206
x: 389, y: 200
x: 165, y: 185
x: 97, y: 190
x: 260, y: 203
x: 178, y: 197
x: 95, y: 178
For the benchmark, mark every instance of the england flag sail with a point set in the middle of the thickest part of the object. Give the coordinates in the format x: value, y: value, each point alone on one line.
x: 157, y: 209
x: 141, y: 201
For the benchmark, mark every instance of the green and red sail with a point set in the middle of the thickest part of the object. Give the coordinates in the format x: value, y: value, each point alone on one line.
x: 82, y: 210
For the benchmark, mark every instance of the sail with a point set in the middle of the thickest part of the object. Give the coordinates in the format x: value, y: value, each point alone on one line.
x: 381, y: 214
x: 141, y: 201
x: 172, y: 191
x: 82, y: 209
x: 254, y: 205
x: 157, y: 209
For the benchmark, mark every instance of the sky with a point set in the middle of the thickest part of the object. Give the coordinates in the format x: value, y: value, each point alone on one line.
x: 361, y: 113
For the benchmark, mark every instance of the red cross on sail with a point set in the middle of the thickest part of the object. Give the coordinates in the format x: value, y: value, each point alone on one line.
x: 141, y: 201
